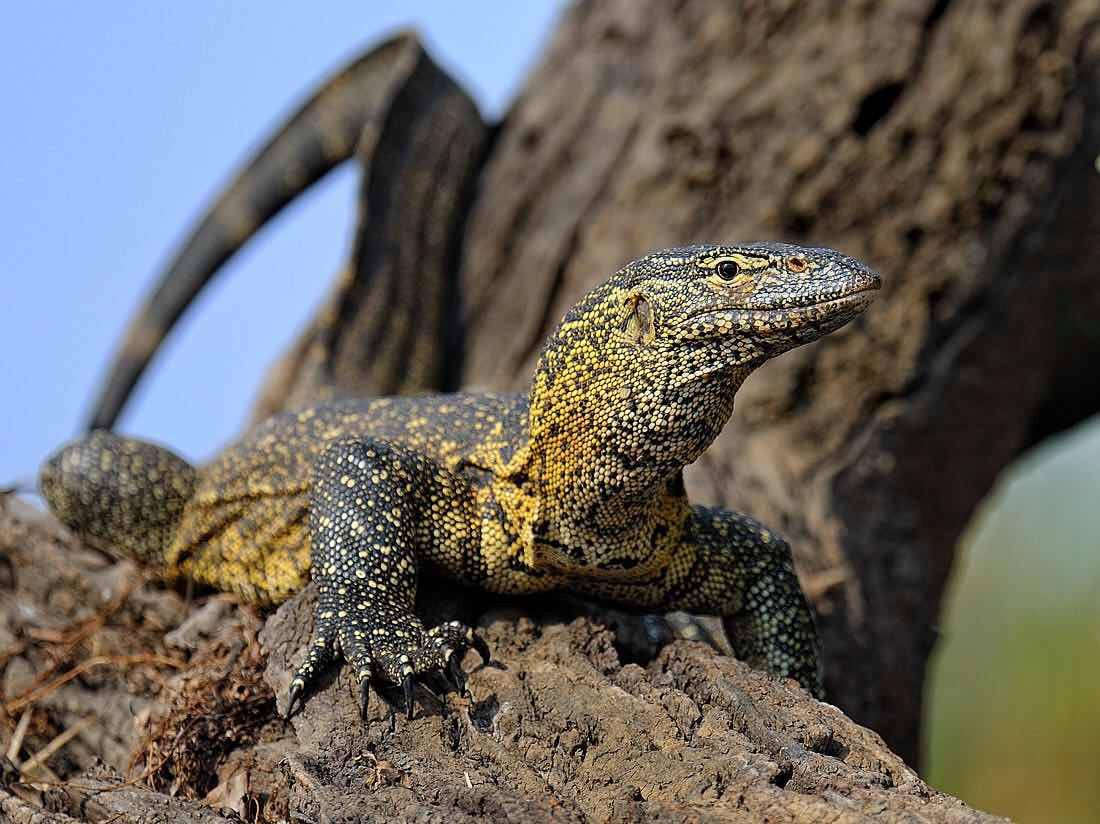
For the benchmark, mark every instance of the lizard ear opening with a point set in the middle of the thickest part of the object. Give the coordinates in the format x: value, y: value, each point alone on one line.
x: 639, y: 326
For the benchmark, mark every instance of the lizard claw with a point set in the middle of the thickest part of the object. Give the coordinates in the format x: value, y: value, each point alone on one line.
x: 294, y: 698
x: 481, y: 647
x: 364, y: 698
x: 407, y: 688
x: 457, y: 676
x: 447, y: 676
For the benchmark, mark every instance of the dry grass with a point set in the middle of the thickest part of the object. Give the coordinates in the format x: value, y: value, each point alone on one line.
x: 222, y: 703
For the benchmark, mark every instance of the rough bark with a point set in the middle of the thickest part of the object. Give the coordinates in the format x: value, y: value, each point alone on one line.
x: 947, y: 143
x: 558, y: 728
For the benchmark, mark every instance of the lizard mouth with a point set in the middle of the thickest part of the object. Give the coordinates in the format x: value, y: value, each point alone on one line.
x: 857, y: 292
x: 739, y: 315
x: 859, y: 298
x: 802, y: 321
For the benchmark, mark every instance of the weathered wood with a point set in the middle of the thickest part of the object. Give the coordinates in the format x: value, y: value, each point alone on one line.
x: 559, y: 729
x: 102, y: 795
x: 947, y: 143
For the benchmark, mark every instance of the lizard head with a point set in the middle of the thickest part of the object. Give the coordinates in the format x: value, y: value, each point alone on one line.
x: 688, y: 315
x: 702, y: 309
x: 642, y: 372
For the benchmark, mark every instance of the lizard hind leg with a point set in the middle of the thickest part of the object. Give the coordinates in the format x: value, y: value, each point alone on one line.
x: 367, y: 500
x: 120, y: 495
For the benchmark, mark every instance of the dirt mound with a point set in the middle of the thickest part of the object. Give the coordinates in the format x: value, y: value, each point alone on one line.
x: 556, y: 728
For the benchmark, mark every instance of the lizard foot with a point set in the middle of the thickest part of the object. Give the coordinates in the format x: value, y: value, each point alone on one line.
x: 403, y: 654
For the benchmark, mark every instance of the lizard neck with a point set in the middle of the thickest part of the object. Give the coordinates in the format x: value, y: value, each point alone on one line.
x: 609, y: 438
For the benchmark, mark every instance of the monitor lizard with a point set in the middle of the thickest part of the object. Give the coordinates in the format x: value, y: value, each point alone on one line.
x: 576, y: 485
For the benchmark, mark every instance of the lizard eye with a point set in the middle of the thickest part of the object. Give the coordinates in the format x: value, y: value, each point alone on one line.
x: 797, y: 264
x: 728, y: 270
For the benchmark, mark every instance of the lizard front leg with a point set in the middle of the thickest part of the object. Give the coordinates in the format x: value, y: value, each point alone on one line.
x: 730, y: 565
x: 373, y: 506
x: 744, y: 572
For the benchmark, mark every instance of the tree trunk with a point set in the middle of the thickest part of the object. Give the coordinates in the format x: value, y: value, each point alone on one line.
x: 947, y: 144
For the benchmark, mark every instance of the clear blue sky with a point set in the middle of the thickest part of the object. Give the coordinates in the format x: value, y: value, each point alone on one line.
x: 121, y: 120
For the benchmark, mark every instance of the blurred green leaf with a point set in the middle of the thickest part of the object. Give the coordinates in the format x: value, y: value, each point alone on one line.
x: 1013, y: 721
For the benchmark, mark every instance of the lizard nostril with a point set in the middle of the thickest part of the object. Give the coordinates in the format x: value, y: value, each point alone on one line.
x: 797, y: 264
x: 873, y: 280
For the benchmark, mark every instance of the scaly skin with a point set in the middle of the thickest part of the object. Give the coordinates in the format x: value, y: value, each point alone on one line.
x: 578, y: 486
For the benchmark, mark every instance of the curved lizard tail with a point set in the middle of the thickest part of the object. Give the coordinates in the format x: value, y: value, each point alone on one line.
x: 385, y: 107
x: 119, y: 495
